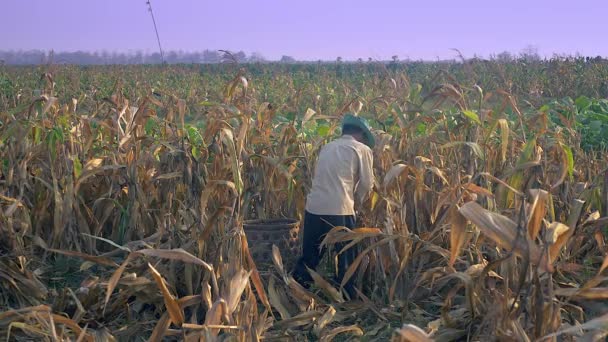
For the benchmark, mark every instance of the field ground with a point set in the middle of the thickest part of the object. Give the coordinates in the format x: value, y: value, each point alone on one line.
x: 124, y: 189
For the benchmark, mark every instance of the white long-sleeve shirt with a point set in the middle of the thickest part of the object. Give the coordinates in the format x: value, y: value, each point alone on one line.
x: 344, y: 173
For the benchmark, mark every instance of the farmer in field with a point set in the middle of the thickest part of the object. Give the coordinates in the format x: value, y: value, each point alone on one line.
x: 343, y: 179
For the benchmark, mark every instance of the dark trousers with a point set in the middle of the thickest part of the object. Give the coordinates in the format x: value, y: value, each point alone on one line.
x: 315, y: 228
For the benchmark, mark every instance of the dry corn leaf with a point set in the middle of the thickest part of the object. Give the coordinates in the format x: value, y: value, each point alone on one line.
x: 325, y: 286
x: 557, y: 236
x: 175, y: 254
x: 242, y: 136
x: 537, y: 212
x: 410, y: 333
x: 237, y: 285
x: 228, y: 139
x: 58, y: 319
x: 599, y: 323
x: 393, y: 174
x: 170, y: 175
x: 88, y: 174
x: 301, y: 293
x: 367, y: 303
x: 216, y: 312
x: 31, y: 329
x: 175, y: 312
x: 604, y: 265
x: 276, y: 299
x: 567, y: 165
x: 343, y: 234
x: 504, y: 138
x: 255, y: 275
x: 327, y: 317
x: 458, y: 234
x: 114, y: 280
x: 92, y: 164
x: 476, y: 189
x: 50, y: 101
x: 331, y: 334
x: 503, y: 232
x: 476, y: 270
x: 599, y: 239
x: 352, y: 268
x: 308, y: 115
x: 161, y: 328
x: 92, y: 258
x: 585, y: 293
x: 299, y: 320
x: 435, y: 170
x: 277, y: 260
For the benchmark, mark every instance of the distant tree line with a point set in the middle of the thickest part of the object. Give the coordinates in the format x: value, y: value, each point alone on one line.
x: 35, y: 57
x: 30, y: 57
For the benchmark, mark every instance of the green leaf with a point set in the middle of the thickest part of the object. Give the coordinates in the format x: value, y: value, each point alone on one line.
x: 582, y: 103
x: 570, y: 158
x: 527, y: 152
x: 37, y: 131
x: 421, y: 128
x: 150, y: 126
x: 64, y: 121
x: 472, y: 116
x: 194, y: 135
x: 196, y: 153
x: 53, y: 137
x: 323, y: 131
x: 595, y: 126
x: 77, y: 167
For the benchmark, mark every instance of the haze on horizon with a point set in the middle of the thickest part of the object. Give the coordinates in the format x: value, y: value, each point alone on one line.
x: 310, y: 30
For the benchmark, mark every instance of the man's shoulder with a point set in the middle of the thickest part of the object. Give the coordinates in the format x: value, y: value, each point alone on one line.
x: 359, y: 146
x: 351, y: 143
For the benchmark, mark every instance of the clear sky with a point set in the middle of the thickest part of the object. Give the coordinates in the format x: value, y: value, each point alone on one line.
x: 310, y: 29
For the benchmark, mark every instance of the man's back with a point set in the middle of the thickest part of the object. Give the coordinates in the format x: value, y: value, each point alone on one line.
x: 343, y: 172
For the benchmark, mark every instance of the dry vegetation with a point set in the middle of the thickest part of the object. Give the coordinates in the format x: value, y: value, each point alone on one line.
x: 121, y: 215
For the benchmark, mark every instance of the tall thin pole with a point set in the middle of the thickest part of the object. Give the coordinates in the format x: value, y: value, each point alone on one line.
x: 162, y: 56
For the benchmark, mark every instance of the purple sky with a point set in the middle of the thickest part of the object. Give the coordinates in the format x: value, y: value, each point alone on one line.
x: 310, y: 29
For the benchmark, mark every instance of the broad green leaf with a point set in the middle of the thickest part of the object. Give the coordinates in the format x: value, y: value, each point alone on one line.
x: 323, y: 131
x: 582, y: 103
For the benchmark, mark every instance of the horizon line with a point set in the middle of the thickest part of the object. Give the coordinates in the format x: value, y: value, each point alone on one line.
x: 261, y: 58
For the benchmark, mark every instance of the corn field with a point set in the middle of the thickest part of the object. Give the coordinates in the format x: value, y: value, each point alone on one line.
x: 124, y: 192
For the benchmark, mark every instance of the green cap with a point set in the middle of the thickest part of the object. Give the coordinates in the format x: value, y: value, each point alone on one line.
x: 360, y: 122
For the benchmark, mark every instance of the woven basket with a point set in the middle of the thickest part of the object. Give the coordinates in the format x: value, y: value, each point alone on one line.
x: 262, y: 234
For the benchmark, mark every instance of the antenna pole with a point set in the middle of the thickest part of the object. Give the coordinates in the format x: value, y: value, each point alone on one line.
x: 162, y: 56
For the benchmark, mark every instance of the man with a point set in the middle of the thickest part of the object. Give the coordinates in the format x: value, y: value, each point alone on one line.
x: 343, y: 176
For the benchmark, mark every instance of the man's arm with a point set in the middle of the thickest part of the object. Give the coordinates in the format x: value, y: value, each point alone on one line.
x: 366, y: 175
